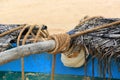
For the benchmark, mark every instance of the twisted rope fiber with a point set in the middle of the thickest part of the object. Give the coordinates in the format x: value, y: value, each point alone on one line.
x: 62, y: 43
x: 22, y: 59
x: 86, y: 18
x: 62, y: 40
x: 11, y: 30
x: 93, y: 51
x: 31, y: 27
x: 95, y: 29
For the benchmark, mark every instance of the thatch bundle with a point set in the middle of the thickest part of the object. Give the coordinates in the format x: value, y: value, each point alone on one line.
x: 103, y: 44
x: 7, y: 39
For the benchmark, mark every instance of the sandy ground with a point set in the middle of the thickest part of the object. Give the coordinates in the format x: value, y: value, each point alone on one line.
x: 58, y: 15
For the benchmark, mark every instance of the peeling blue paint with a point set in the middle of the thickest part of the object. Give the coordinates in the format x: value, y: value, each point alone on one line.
x: 42, y: 63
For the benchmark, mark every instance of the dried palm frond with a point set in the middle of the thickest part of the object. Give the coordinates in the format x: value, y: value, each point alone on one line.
x: 5, y: 40
x: 9, y: 34
x: 103, y: 44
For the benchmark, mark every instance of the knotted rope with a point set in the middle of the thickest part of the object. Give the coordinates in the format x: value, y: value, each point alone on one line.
x: 62, y: 40
x: 62, y: 45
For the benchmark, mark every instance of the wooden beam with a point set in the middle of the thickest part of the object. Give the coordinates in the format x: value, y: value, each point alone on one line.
x: 25, y: 50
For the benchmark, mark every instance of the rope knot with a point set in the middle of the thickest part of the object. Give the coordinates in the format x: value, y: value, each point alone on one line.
x: 62, y: 43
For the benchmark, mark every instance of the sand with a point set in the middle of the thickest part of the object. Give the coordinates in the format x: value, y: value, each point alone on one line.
x: 59, y: 15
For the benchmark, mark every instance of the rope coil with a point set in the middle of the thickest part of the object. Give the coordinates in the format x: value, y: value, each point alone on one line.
x: 62, y: 40
x: 62, y: 43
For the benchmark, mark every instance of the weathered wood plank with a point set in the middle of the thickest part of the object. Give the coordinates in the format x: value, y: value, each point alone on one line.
x: 25, y: 50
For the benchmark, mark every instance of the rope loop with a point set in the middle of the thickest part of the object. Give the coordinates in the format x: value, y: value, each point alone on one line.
x: 62, y: 43
x: 33, y: 34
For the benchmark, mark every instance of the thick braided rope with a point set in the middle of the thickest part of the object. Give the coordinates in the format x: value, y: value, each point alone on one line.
x: 62, y: 40
x: 62, y: 43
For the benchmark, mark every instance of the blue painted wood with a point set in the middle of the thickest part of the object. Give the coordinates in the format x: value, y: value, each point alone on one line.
x: 42, y: 63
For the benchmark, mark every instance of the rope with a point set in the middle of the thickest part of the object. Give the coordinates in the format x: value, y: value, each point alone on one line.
x: 11, y: 30
x: 95, y: 29
x: 22, y: 59
x: 89, y: 18
x: 62, y: 40
x: 62, y: 43
x: 53, y: 66
x: 44, y: 34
